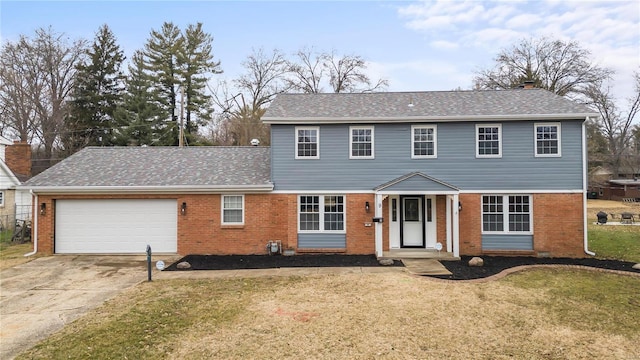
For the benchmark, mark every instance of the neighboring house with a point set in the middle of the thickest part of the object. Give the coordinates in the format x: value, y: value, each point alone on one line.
x: 473, y: 172
x: 15, y: 167
x: 602, y: 185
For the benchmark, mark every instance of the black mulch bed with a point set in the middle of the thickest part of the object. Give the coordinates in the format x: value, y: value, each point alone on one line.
x: 237, y: 262
x: 460, y: 269
x: 495, y: 264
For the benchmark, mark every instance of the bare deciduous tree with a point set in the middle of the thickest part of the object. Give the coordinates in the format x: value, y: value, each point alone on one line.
x: 37, y: 77
x: 564, y: 68
x: 616, y: 126
x: 307, y: 72
x: 346, y: 74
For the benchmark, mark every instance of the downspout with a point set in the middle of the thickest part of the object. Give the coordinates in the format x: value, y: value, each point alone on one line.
x: 35, y: 224
x: 584, y: 188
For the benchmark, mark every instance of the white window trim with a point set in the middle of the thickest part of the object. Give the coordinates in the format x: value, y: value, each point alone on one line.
x: 499, y: 126
x: 435, y: 141
x: 222, y: 209
x: 505, y: 215
x: 321, y: 220
x: 535, y: 139
x: 373, y: 142
x: 317, y: 129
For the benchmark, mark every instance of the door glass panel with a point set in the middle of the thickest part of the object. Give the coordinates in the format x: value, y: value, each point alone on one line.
x: 394, y: 210
x: 428, y: 210
x: 411, y: 210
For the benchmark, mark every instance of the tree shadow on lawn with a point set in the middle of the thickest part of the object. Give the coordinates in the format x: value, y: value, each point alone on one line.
x: 460, y: 269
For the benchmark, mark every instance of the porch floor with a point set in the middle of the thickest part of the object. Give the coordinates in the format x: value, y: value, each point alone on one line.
x: 399, y: 254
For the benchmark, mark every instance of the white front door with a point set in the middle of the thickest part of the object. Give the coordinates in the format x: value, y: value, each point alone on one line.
x: 412, y: 222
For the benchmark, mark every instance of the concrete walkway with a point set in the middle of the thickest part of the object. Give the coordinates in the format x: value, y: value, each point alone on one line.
x: 40, y: 297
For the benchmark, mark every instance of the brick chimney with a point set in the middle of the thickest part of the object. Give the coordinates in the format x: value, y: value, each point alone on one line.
x: 18, y: 159
x: 528, y: 84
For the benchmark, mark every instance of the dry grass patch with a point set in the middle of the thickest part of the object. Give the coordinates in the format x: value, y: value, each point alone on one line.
x: 13, y: 254
x: 360, y: 316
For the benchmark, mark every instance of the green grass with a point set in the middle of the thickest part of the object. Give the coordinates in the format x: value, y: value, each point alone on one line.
x: 615, y: 242
x: 586, y: 301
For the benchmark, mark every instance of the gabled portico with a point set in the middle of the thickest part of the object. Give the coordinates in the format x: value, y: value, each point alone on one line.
x: 414, y: 208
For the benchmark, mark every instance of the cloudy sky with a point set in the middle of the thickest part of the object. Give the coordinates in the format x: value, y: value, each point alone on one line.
x: 421, y: 45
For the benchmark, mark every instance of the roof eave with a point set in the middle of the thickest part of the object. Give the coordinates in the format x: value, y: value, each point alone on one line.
x: 423, y: 119
x: 169, y: 189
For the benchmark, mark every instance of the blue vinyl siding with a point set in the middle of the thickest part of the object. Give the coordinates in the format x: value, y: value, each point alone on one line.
x: 456, y: 164
x: 322, y: 241
x: 507, y: 242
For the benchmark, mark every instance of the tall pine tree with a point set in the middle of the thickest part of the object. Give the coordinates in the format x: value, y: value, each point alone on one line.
x: 176, y: 63
x: 97, y: 93
x: 196, y: 63
x: 139, y: 118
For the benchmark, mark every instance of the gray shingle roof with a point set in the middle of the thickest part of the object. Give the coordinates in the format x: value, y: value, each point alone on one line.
x: 432, y: 104
x: 206, y: 167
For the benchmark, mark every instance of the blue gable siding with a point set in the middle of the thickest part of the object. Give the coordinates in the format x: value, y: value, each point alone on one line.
x: 518, y: 169
x: 418, y: 183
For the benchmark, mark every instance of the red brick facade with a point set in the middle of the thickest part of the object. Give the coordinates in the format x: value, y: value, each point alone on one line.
x: 557, y: 221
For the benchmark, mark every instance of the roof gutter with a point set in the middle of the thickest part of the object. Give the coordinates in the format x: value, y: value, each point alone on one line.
x: 421, y: 119
x: 584, y: 187
x: 161, y: 189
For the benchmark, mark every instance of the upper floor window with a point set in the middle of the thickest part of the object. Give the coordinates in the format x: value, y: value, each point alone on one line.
x: 547, y: 138
x: 232, y: 209
x: 318, y: 213
x: 423, y: 141
x: 361, y: 143
x: 489, y: 140
x: 307, y: 143
x: 506, y: 214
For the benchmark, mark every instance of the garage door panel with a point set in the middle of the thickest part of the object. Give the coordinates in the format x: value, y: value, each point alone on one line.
x: 116, y: 226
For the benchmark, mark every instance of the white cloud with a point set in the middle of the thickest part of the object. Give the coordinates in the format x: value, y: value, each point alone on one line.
x: 445, y: 45
x: 609, y: 29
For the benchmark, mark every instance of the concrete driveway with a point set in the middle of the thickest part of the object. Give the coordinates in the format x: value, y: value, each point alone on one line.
x: 41, y: 296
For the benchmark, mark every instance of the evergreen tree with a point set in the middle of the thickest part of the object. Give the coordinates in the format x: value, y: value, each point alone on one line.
x: 196, y: 62
x: 139, y: 118
x: 179, y: 64
x: 97, y: 93
x: 160, y: 57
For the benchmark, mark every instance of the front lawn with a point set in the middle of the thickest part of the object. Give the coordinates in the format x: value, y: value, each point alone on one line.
x: 12, y: 254
x: 540, y: 314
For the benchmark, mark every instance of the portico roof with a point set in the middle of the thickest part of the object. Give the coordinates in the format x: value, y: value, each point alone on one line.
x: 417, y: 182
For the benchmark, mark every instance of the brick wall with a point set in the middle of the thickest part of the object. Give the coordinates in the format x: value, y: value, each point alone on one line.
x: 558, y: 224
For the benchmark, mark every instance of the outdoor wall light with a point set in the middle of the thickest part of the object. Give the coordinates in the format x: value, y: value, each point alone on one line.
x: 366, y: 206
x: 459, y: 206
x: 43, y: 208
x: 183, y: 208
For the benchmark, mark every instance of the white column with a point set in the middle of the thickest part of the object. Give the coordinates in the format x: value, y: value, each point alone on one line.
x: 456, y: 226
x: 378, y: 236
x: 449, y: 215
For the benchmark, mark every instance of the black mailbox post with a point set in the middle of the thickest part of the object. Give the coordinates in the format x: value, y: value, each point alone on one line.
x: 378, y: 219
x: 149, y: 262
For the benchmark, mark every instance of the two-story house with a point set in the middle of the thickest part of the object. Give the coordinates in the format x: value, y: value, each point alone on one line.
x: 461, y: 172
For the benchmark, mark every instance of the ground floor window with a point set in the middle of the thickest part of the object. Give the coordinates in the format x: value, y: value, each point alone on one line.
x: 506, y: 213
x: 320, y: 213
x: 233, y: 209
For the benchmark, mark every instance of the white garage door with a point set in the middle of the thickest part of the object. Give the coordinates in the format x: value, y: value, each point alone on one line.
x: 115, y: 226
